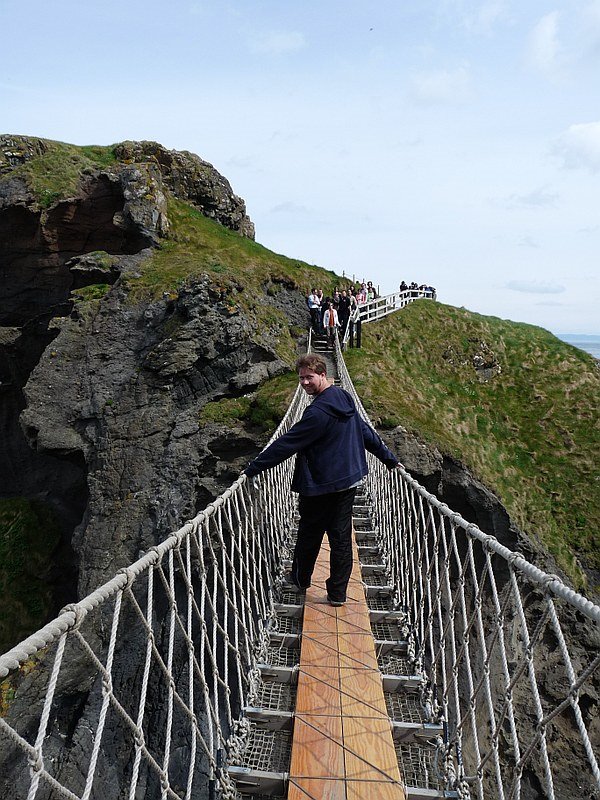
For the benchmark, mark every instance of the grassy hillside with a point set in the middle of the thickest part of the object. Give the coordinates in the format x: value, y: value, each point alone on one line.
x: 242, y: 269
x: 530, y: 432
x: 56, y: 173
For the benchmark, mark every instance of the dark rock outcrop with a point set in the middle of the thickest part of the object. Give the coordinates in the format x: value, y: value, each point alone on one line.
x: 190, y: 178
x: 99, y: 401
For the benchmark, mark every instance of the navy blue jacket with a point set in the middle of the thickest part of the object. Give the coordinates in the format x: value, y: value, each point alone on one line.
x: 330, y: 440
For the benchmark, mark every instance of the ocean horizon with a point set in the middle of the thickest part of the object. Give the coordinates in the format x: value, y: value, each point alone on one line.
x: 584, y: 341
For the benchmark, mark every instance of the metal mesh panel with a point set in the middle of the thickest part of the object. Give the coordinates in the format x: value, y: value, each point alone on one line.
x: 291, y: 598
x: 377, y: 580
x: 288, y: 625
x: 371, y: 559
x: 418, y: 766
x: 245, y: 796
x: 269, y: 751
x: 387, y: 631
x: 276, y: 696
x: 404, y: 707
x: 380, y: 603
x: 283, y: 656
x: 393, y: 664
x: 367, y: 538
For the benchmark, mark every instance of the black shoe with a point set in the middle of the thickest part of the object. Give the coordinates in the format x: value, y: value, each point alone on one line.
x: 291, y: 582
x: 333, y: 602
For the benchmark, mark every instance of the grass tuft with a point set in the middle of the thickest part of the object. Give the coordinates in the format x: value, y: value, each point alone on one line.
x: 55, y: 174
x: 263, y: 409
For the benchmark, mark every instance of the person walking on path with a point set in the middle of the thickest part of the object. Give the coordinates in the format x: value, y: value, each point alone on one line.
x: 314, y: 306
x: 344, y: 311
x: 329, y: 442
x: 330, y: 323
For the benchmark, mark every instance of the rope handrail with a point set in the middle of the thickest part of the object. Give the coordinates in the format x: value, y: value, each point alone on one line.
x: 167, y: 653
x: 496, y: 639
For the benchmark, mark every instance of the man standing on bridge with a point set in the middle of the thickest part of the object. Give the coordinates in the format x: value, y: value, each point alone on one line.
x: 329, y: 442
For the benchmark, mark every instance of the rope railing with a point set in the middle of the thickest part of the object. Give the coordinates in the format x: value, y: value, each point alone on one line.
x: 510, y: 654
x: 137, y: 690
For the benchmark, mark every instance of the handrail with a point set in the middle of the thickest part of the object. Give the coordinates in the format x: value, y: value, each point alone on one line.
x: 382, y: 306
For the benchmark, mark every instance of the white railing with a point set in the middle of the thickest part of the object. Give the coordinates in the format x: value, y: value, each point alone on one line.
x: 382, y: 306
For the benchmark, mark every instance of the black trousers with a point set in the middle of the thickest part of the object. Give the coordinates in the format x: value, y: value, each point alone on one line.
x: 331, y: 513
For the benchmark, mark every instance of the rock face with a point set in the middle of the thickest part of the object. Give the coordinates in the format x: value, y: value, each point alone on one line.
x: 99, y: 402
x: 190, y: 178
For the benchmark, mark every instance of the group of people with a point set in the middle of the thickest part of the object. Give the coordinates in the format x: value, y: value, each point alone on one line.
x: 405, y: 287
x: 329, y: 443
x: 329, y: 314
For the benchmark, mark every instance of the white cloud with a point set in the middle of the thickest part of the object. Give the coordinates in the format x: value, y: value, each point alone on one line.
x: 544, y: 45
x: 475, y: 16
x: 441, y: 86
x: 538, y: 198
x: 527, y: 241
x: 589, y: 229
x: 278, y: 42
x: 579, y: 146
x: 535, y: 287
x: 591, y: 16
x: 485, y: 17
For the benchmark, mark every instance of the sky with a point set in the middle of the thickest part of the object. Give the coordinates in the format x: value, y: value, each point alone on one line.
x: 453, y: 143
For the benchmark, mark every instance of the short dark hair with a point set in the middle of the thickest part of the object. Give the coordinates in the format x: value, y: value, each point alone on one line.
x: 312, y: 361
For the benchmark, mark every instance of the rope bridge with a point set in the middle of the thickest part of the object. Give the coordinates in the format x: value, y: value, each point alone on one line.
x: 142, y: 689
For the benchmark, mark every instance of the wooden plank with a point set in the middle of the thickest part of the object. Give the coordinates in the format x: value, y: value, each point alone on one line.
x: 342, y: 746
x: 318, y: 750
x: 362, y: 695
x: 319, y: 691
x: 370, y: 754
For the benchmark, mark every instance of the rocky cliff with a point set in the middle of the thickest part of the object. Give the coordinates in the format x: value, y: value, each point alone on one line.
x: 101, y: 392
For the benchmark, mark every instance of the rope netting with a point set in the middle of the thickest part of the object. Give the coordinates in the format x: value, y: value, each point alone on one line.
x: 137, y: 690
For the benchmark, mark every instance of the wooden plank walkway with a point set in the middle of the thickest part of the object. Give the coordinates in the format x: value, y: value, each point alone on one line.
x: 342, y: 746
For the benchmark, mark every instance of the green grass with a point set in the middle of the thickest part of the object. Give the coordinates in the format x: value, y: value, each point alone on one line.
x: 28, y: 537
x: 94, y: 291
x: 241, y: 272
x: 55, y: 175
x: 264, y: 408
x: 197, y: 245
x: 530, y: 433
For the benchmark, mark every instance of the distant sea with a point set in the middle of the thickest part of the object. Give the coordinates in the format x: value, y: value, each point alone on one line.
x: 584, y: 341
